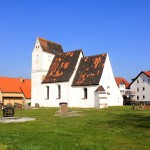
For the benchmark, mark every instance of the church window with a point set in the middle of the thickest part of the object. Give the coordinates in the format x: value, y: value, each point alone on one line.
x: 59, y: 91
x: 85, y: 93
x: 47, y: 88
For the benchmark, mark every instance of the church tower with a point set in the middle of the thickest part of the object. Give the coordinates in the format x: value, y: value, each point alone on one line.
x: 42, y: 56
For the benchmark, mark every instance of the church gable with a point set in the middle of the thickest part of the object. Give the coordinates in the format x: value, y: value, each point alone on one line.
x: 62, y: 67
x: 90, y: 70
x: 50, y: 47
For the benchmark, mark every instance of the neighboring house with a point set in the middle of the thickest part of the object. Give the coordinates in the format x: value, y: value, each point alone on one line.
x: 126, y: 93
x: 70, y: 77
x: 15, y: 90
x: 141, y: 86
x: 122, y: 84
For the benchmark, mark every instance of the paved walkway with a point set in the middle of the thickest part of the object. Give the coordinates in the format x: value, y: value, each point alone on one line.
x: 15, y: 119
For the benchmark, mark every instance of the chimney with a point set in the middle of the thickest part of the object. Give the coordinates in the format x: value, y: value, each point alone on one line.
x: 21, y: 80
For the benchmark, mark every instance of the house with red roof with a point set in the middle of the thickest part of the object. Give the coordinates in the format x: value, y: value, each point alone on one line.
x: 141, y: 86
x: 122, y: 84
x: 70, y: 77
x: 15, y: 91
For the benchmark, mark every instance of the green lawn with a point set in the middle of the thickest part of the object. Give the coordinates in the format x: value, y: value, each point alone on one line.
x: 114, y: 128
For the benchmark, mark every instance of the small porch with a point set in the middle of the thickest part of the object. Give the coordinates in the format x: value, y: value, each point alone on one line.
x: 101, y: 99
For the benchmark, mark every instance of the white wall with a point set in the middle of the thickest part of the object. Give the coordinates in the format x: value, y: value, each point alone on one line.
x: 36, y: 87
x: 122, y: 88
x: 109, y: 84
x: 143, y: 83
x: 53, y: 100
x: 77, y: 96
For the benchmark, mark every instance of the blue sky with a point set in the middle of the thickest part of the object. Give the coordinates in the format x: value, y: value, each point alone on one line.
x: 120, y: 28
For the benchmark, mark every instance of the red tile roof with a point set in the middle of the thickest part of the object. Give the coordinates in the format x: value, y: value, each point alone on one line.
x: 50, y: 47
x: 26, y: 88
x: 119, y: 80
x: 147, y: 73
x: 90, y: 70
x: 16, y: 85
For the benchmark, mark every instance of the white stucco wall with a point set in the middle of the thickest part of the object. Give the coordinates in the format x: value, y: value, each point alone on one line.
x: 143, y: 82
x: 54, y: 100
x: 109, y: 84
x: 122, y: 88
x: 77, y: 96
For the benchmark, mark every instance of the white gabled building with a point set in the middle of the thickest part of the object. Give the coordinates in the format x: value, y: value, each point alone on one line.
x: 141, y: 86
x: 70, y: 77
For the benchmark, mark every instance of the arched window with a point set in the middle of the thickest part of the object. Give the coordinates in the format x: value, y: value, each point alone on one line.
x: 47, y: 88
x: 85, y: 93
x: 59, y: 91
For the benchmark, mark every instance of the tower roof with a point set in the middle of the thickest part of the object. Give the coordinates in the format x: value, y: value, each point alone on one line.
x: 50, y: 47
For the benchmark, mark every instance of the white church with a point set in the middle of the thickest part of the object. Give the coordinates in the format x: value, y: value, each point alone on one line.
x: 70, y: 77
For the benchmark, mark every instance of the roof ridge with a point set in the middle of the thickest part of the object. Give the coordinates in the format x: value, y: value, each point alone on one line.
x: 49, y: 41
x: 50, y: 46
x: 96, y: 55
x: 146, y: 71
x: 14, y: 77
x: 71, y: 51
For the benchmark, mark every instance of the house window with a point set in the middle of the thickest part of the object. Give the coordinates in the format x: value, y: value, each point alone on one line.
x: 122, y: 91
x: 143, y: 80
x: 148, y: 80
x: 143, y: 96
x: 137, y: 81
x: 85, y: 93
x: 47, y: 88
x: 137, y: 97
x: 137, y: 89
x: 59, y: 91
x: 143, y: 88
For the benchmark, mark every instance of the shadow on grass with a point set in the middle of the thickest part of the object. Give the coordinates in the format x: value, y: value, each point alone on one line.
x: 140, y: 120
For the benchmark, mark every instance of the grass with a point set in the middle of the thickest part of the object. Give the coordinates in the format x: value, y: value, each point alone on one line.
x: 96, y: 129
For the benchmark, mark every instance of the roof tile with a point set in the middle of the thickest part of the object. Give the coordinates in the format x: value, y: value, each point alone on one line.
x: 119, y: 80
x: 90, y: 70
x: 62, y: 67
x: 50, y: 47
x: 15, y: 85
